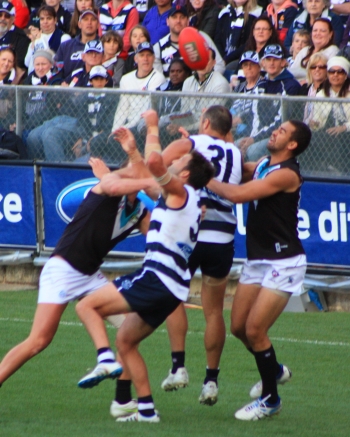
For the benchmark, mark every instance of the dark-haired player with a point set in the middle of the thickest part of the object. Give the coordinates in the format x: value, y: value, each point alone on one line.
x: 155, y: 291
x: 276, y: 262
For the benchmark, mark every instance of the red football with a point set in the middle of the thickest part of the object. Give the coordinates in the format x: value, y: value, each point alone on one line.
x: 193, y: 48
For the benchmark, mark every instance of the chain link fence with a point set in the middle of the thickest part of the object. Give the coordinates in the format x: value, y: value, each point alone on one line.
x: 69, y: 125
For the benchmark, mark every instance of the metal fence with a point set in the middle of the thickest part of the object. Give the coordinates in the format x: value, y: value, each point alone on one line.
x: 68, y: 125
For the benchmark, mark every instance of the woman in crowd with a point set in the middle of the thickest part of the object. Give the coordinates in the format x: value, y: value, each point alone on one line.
x: 282, y: 14
x: 261, y: 34
x: 322, y: 41
x: 301, y: 39
x: 112, y: 46
x: 314, y: 9
x: 7, y: 96
x: 40, y: 106
x: 331, y: 121
x: 203, y: 15
x: 316, y: 74
x: 138, y: 35
x: 79, y: 7
x: 63, y: 16
x: 233, y: 28
x: 48, y: 37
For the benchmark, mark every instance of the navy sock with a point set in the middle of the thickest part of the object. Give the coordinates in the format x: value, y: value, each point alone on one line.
x: 267, y: 364
x: 105, y: 355
x: 212, y: 375
x: 146, y: 406
x: 123, y: 391
x: 178, y: 359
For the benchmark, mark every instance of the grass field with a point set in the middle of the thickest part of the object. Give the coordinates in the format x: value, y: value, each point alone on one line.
x: 42, y: 398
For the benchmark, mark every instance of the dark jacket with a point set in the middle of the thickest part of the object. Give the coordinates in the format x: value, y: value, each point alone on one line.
x: 230, y: 34
x: 19, y: 42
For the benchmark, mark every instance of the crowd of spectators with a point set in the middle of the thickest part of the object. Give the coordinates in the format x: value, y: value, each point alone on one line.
x: 278, y: 47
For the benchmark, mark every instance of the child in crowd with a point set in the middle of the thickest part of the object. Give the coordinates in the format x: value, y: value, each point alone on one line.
x: 138, y: 35
x: 96, y: 117
x: 301, y: 39
x: 112, y: 46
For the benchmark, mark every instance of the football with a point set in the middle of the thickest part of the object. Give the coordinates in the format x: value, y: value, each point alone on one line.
x: 193, y: 48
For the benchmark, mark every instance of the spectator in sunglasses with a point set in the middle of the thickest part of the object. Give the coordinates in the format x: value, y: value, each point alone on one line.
x: 331, y: 121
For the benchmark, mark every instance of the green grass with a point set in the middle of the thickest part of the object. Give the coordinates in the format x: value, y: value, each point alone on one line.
x: 42, y: 398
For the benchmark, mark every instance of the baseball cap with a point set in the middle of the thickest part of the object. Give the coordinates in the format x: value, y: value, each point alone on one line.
x: 144, y: 46
x: 178, y: 9
x: 87, y: 12
x: 273, y: 51
x: 251, y: 56
x: 93, y: 46
x: 7, y: 7
x: 98, y: 71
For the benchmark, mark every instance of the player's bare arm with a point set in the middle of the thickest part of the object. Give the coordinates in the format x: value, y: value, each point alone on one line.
x: 173, y: 186
x: 281, y: 180
x: 113, y: 185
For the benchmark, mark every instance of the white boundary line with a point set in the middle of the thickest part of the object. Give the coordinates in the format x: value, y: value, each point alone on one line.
x: 164, y: 331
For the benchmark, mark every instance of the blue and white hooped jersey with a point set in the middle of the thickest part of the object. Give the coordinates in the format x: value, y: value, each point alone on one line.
x: 170, y: 241
x: 219, y: 223
x: 117, y: 23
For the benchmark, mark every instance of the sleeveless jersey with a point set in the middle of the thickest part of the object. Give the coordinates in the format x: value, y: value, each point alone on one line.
x: 170, y: 241
x: 117, y: 23
x: 272, y: 223
x: 98, y: 225
x: 219, y: 223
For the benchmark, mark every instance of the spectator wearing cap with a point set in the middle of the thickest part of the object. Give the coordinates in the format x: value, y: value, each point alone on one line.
x: 121, y: 16
x: 245, y: 114
x: 12, y: 36
x: 167, y: 47
x: 278, y: 81
x: 92, y: 56
x: 63, y: 16
x: 48, y: 37
x: 68, y: 57
x: 95, y: 118
x: 155, y: 20
x: 145, y: 78
x: 201, y: 82
x: 331, y: 121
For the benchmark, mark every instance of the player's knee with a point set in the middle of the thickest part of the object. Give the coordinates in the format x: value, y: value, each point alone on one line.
x: 36, y: 345
x: 237, y: 330
x: 123, y: 343
x: 80, y: 308
x: 253, y: 333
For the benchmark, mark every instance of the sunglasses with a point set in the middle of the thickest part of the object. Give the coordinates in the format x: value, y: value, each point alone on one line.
x: 320, y: 67
x: 5, y: 15
x: 336, y: 72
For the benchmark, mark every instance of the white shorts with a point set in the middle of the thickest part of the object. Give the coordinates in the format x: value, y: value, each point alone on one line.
x: 60, y: 283
x: 283, y: 274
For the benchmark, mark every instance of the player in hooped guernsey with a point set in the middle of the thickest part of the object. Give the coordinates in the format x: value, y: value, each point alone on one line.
x: 213, y: 252
x: 276, y: 262
x: 153, y: 292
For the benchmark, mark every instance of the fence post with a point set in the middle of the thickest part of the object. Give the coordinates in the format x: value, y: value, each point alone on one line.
x: 19, y: 111
x: 284, y: 109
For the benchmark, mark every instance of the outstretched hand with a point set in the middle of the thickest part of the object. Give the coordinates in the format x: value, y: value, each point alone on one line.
x: 151, y: 118
x: 99, y: 168
x: 126, y: 139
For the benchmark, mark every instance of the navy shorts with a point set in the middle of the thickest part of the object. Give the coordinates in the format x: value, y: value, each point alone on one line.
x: 214, y: 260
x: 147, y: 296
